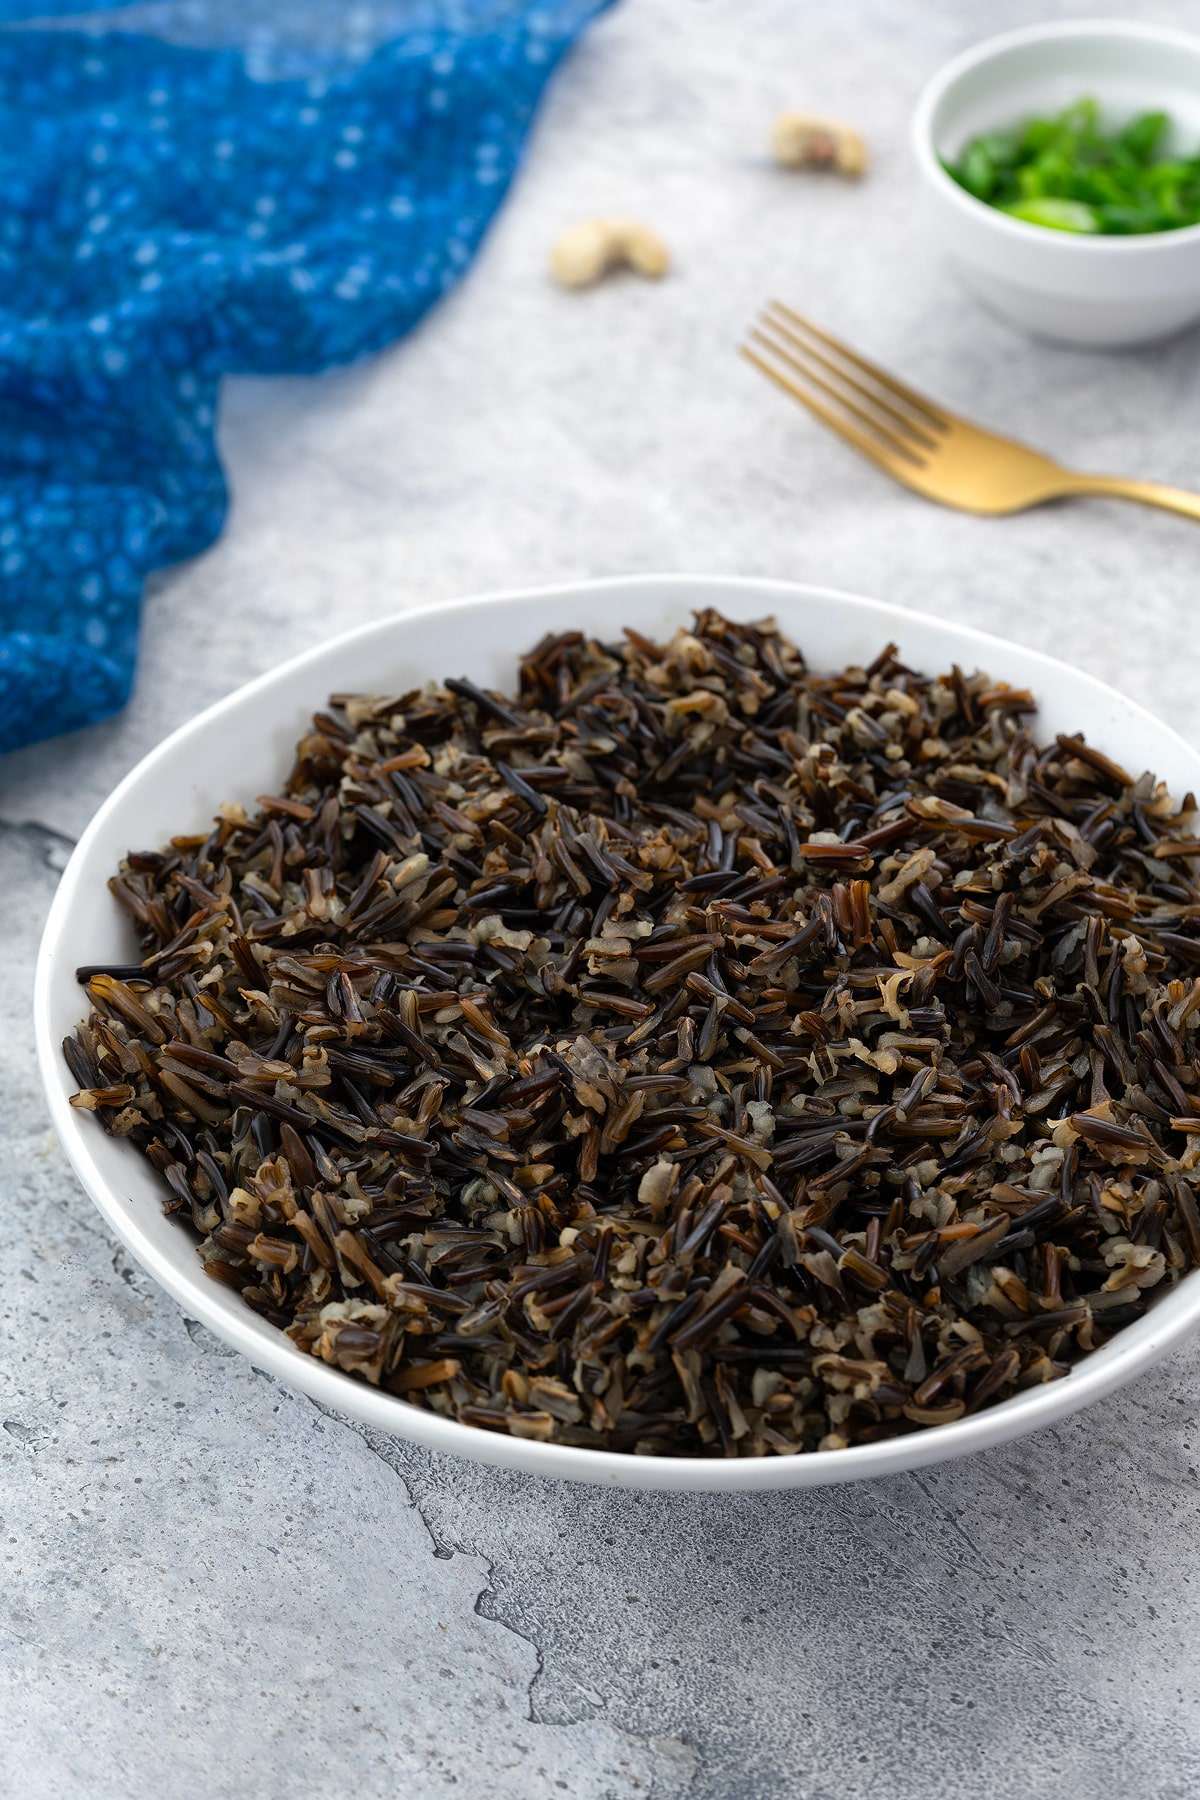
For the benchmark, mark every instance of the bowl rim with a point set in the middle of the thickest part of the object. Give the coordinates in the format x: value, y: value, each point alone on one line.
x: 971, y: 208
x: 1135, y: 1348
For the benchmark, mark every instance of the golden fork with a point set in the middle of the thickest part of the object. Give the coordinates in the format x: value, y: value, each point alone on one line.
x: 924, y: 446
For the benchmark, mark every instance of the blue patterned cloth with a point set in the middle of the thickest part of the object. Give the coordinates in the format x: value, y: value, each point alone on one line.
x: 171, y: 211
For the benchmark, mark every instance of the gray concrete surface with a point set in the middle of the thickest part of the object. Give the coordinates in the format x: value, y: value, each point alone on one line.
x: 210, y: 1587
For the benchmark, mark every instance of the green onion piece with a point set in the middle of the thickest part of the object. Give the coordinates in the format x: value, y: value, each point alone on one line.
x: 1142, y: 136
x: 1057, y: 215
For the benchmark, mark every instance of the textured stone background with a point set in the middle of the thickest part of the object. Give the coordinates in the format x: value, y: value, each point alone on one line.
x: 211, y: 1586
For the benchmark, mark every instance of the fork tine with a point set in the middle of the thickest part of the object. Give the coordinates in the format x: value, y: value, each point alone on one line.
x: 870, y: 448
x: 905, y: 448
x: 917, y: 432
x: 935, y: 415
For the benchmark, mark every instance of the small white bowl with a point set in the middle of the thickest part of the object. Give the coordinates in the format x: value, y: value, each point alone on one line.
x: 1096, y: 291
x: 242, y: 747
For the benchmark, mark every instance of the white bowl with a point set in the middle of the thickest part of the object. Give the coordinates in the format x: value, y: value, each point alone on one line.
x: 1099, y: 291
x: 242, y: 747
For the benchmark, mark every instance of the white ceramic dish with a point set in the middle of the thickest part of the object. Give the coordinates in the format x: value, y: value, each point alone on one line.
x: 1100, y: 291
x: 241, y: 747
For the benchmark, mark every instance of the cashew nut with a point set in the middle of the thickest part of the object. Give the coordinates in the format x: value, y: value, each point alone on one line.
x: 587, y: 251
x: 798, y: 141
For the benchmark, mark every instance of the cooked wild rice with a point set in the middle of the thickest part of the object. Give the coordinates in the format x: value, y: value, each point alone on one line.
x: 691, y: 1055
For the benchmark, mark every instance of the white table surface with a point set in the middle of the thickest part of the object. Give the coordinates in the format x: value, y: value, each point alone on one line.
x: 210, y: 1587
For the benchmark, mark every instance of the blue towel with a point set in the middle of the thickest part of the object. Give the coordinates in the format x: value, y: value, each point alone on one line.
x: 172, y: 211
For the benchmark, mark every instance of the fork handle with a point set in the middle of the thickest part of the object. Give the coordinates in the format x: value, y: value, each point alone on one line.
x: 1149, y: 493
